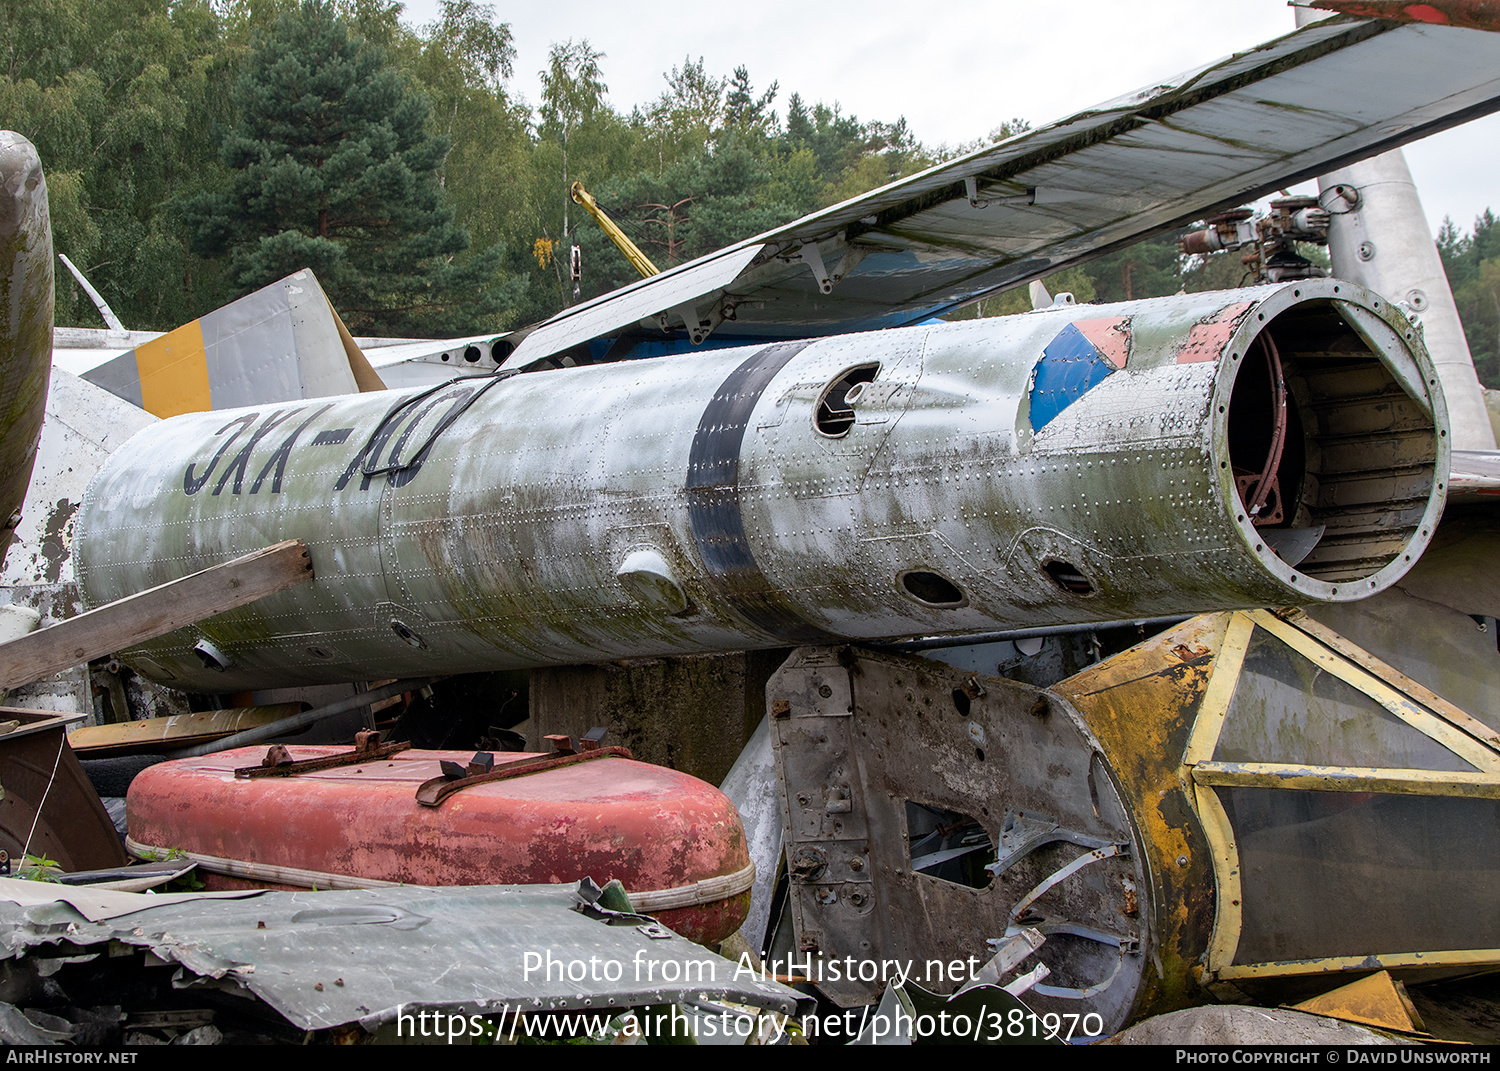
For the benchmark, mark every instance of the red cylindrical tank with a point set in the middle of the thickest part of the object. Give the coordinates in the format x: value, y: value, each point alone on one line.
x: 676, y: 843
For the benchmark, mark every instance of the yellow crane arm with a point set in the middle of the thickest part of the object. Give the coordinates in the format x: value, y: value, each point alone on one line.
x: 638, y: 260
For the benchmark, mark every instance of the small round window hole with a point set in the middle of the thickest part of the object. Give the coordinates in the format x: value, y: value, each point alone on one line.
x: 931, y: 589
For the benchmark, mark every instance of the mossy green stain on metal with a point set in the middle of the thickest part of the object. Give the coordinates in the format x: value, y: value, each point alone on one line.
x: 26, y: 302
x: 501, y: 552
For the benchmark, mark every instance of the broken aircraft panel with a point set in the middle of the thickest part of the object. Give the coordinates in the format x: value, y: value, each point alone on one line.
x: 1239, y: 804
x: 359, y: 958
x: 1333, y: 799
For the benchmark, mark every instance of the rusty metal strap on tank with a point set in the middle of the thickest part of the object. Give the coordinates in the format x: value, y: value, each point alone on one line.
x: 432, y: 793
x: 279, y: 763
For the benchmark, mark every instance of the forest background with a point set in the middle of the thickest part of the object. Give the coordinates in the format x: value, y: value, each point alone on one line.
x: 196, y: 149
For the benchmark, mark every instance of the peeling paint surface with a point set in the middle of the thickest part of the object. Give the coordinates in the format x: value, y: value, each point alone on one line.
x: 650, y: 827
x: 1205, y: 342
x: 933, y: 507
x: 1141, y: 705
x: 1070, y: 365
x: 83, y: 424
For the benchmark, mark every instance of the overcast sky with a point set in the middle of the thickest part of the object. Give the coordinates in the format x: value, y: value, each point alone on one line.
x: 956, y: 71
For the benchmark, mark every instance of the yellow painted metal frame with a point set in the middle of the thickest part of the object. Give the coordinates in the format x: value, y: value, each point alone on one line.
x: 1226, y: 676
x: 1475, y: 752
x: 1470, y: 739
x: 1225, y: 940
x: 1396, y: 679
x: 1347, y: 779
x: 1467, y: 957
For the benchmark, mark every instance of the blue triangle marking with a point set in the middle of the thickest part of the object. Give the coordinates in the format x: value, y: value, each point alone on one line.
x: 1070, y: 366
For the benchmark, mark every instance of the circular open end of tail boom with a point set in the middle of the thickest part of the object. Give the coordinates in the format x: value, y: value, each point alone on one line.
x: 1333, y: 439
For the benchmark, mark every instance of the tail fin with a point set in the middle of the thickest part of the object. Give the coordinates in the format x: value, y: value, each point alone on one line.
x: 282, y: 343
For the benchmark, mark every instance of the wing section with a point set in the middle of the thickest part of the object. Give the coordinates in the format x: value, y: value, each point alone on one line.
x: 1330, y: 93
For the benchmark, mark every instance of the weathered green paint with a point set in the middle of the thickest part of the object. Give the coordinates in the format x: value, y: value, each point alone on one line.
x: 25, y: 316
x: 501, y: 550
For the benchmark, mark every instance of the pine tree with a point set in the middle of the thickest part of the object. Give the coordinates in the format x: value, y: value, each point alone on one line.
x: 334, y: 170
x: 743, y: 110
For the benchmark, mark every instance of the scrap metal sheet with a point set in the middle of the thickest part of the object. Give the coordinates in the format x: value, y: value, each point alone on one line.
x: 325, y: 959
x: 1331, y: 93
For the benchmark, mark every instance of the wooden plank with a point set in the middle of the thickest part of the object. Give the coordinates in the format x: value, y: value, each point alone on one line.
x: 174, y: 731
x: 154, y: 612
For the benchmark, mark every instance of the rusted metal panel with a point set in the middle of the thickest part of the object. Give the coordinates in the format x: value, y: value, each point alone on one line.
x: 652, y: 828
x: 1142, y: 706
x: 1048, y: 843
x: 711, y: 502
x: 49, y: 809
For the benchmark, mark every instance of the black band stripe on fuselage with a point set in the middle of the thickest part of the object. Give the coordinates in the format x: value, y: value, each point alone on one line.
x: 713, y: 494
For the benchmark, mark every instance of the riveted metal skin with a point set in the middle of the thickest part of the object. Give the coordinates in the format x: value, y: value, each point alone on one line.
x: 933, y: 505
